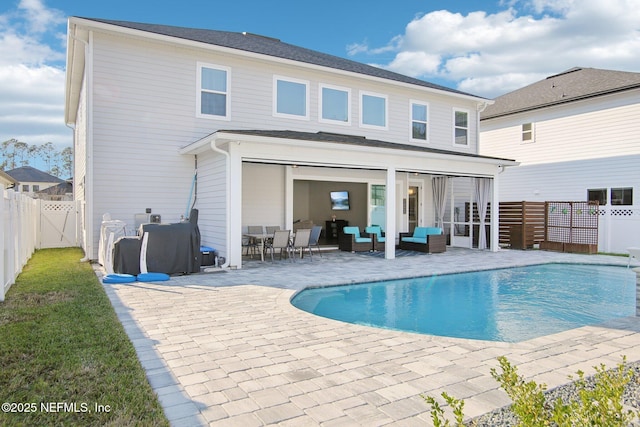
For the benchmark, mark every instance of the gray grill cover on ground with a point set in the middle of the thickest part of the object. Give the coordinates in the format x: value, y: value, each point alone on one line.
x: 171, y: 249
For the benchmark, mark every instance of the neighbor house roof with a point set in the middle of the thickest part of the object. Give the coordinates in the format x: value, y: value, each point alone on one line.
x: 273, y: 47
x: 569, y: 86
x: 31, y: 174
x: 62, y: 188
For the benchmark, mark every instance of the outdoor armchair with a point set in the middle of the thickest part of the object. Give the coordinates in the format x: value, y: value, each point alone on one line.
x: 377, y: 235
x: 350, y: 240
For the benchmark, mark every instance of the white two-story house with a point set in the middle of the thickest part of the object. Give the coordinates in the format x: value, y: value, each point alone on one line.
x: 254, y: 131
x: 576, y: 136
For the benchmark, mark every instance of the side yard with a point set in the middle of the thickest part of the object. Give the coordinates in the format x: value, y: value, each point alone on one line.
x: 65, y: 357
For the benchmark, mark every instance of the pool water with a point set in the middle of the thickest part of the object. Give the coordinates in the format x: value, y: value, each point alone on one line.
x: 508, y: 305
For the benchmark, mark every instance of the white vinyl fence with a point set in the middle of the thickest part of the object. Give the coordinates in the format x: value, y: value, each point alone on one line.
x: 29, y: 224
x: 18, y: 235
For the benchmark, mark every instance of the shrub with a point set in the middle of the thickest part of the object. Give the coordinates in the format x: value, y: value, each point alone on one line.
x: 598, y: 403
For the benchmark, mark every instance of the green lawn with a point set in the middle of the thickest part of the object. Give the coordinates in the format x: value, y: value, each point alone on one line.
x: 65, y: 358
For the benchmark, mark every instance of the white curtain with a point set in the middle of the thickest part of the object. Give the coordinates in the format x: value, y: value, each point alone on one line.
x: 483, y: 195
x: 440, y: 185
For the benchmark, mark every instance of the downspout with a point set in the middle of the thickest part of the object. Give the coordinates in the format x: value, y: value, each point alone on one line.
x: 87, y: 243
x: 215, y: 148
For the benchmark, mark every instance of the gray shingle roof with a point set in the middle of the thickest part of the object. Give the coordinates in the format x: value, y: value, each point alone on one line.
x: 569, y: 86
x: 351, y: 140
x: 273, y: 47
x: 31, y: 174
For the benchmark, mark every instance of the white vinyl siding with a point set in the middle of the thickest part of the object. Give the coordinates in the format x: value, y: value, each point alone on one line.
x: 211, y: 202
x: 213, y: 97
x: 334, y: 104
x: 290, y: 98
x: 582, y: 130
x: 143, y: 103
x: 373, y: 110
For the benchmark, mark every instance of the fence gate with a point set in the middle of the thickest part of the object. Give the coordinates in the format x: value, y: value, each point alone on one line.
x: 58, y: 224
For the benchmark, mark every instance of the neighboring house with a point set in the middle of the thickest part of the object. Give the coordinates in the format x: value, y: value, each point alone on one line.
x: 577, y: 137
x: 31, y: 180
x: 253, y: 131
x: 62, y: 191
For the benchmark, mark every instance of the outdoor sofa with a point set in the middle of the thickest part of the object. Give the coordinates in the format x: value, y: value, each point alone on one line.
x: 424, y: 239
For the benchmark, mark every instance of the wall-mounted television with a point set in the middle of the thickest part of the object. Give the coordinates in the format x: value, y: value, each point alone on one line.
x: 339, y: 200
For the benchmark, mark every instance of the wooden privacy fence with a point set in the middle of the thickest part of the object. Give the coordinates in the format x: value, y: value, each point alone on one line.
x: 571, y: 227
x: 521, y: 224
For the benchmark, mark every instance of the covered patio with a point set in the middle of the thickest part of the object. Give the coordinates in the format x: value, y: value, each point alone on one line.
x: 257, y: 174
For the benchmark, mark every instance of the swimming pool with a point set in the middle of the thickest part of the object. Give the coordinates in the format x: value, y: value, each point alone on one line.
x: 507, y: 305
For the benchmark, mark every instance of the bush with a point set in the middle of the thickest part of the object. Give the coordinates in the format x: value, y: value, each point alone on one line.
x: 599, y: 402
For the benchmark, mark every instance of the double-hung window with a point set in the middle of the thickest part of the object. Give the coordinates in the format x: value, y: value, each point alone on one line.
x: 419, y: 121
x: 335, y: 104
x: 461, y: 127
x: 291, y: 98
x: 527, y: 132
x: 213, y: 91
x: 373, y: 110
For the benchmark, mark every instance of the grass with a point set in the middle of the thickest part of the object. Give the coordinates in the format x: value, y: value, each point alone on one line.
x: 64, y: 353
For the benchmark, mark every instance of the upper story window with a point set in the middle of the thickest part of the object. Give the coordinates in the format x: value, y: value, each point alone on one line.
x: 527, y: 132
x: 213, y: 91
x: 622, y: 196
x: 291, y: 98
x: 335, y: 104
x: 373, y: 110
x: 25, y: 188
x: 419, y: 121
x: 35, y: 188
x: 461, y: 127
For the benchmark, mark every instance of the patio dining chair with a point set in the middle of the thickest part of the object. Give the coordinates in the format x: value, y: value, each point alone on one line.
x: 280, y: 241
x: 301, y: 241
x: 315, y: 237
x: 251, y: 243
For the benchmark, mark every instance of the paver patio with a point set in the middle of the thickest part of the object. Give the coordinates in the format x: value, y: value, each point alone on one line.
x: 227, y: 348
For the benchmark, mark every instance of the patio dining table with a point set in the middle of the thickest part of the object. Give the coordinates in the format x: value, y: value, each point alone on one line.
x: 261, y: 238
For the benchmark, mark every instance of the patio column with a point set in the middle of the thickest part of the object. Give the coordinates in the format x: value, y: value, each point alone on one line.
x: 234, y: 222
x: 390, y: 211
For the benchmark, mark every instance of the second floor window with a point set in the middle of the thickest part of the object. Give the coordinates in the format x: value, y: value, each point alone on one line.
x: 373, y: 110
x: 335, y: 104
x: 419, y: 121
x: 291, y: 98
x: 461, y: 127
x: 213, y: 88
x: 527, y: 132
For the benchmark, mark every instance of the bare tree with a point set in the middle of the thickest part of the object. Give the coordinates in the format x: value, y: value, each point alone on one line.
x: 14, y: 153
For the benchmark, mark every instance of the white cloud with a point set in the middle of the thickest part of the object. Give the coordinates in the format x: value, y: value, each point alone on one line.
x: 491, y: 54
x: 31, y: 75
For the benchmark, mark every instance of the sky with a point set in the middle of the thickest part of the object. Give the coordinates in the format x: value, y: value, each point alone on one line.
x: 482, y: 47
